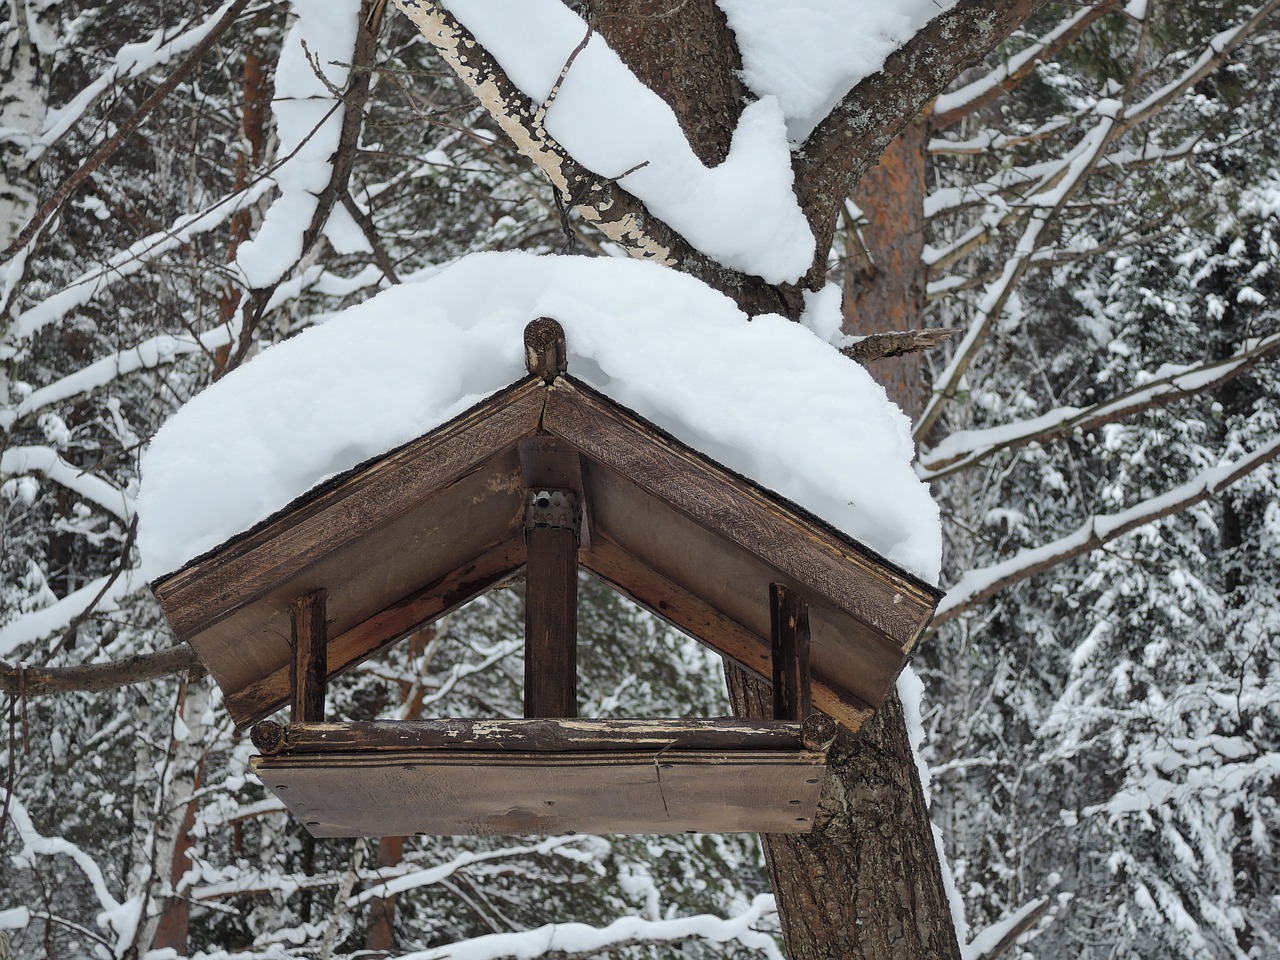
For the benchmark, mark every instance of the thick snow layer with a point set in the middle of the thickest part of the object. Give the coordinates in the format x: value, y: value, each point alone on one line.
x: 813, y: 52
x: 742, y: 213
x: 766, y: 398
x: 314, y: 61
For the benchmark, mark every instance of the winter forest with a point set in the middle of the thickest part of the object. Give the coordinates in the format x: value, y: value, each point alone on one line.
x: 1050, y: 230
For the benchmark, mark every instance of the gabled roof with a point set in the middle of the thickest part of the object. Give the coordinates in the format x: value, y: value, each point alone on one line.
x: 413, y: 534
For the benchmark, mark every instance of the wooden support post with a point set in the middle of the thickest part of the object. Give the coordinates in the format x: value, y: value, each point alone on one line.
x: 551, y: 604
x: 310, y: 657
x: 789, y: 620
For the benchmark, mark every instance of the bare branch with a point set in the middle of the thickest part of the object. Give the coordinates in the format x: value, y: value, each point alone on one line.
x: 878, y: 346
x: 97, y: 677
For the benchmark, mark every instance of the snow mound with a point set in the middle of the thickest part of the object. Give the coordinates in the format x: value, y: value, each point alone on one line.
x: 816, y: 51
x: 763, y: 396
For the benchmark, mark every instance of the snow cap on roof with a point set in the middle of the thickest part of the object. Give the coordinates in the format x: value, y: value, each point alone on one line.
x: 762, y: 396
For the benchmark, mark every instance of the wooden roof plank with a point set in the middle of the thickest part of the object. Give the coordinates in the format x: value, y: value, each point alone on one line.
x: 857, y: 581
x: 250, y: 566
x: 671, y: 602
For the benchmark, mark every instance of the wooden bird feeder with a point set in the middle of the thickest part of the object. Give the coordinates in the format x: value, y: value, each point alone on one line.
x: 543, y: 477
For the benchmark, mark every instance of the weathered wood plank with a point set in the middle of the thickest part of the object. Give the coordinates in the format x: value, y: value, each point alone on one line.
x: 267, y: 694
x: 668, y: 600
x: 476, y: 793
x: 533, y: 736
x: 255, y: 563
x: 798, y: 545
x: 789, y: 626
x: 551, y: 623
x: 309, y: 637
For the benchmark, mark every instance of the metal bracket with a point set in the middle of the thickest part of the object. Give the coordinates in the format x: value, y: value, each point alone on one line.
x: 551, y: 508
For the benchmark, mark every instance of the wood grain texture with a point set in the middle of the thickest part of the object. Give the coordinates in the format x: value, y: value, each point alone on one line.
x: 250, y: 566
x: 851, y: 654
x: 310, y: 640
x: 264, y: 696
x: 475, y: 793
x: 551, y: 623
x: 789, y: 616
x: 849, y: 575
x: 531, y: 735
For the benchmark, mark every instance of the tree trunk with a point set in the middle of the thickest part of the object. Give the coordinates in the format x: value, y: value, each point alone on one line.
x: 884, y: 288
x: 866, y: 883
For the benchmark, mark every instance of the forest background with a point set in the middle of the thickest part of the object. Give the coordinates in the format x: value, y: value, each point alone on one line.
x: 1093, y: 206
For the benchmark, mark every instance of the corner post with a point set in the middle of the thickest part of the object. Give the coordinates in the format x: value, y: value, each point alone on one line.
x: 789, y: 624
x: 310, y: 668
x: 551, y: 604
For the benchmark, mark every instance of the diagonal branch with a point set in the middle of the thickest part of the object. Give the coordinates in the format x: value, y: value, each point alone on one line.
x: 975, y: 586
x: 965, y: 449
x: 854, y: 135
x: 951, y: 108
x: 118, y: 139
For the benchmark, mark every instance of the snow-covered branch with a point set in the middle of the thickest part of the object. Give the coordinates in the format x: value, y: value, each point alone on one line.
x: 570, y: 941
x: 599, y: 198
x: 964, y: 449
x: 978, y: 585
x: 69, y: 186
x: 951, y: 108
x: 1080, y: 164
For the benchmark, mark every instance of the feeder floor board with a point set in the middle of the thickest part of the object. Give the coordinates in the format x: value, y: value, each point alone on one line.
x: 466, y: 792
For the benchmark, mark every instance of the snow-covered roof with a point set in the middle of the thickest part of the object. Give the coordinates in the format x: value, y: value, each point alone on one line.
x: 762, y: 396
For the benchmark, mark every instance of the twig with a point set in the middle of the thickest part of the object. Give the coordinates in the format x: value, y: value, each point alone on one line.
x: 878, y: 346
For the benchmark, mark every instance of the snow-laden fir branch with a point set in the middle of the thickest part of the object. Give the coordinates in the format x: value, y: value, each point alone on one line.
x: 965, y: 448
x: 981, y: 584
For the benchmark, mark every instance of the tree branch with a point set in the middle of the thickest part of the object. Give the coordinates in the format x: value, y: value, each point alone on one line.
x: 968, y: 448
x: 611, y: 209
x: 117, y: 140
x: 97, y: 677
x: 982, y: 584
x: 878, y: 346
x: 854, y: 135
x: 951, y: 108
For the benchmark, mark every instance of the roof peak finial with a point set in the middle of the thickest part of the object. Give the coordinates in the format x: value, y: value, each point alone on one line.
x: 545, y: 353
